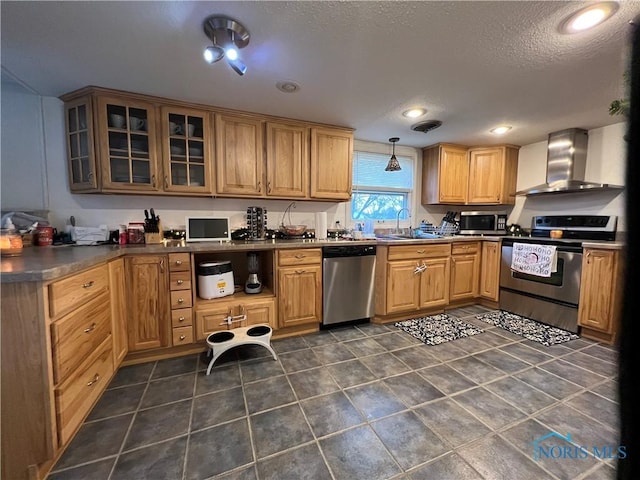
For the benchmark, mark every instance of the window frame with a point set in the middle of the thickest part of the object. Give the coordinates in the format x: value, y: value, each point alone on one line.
x: 413, y: 195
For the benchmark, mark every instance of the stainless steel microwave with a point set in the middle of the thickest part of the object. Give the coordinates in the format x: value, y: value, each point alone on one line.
x: 483, y: 223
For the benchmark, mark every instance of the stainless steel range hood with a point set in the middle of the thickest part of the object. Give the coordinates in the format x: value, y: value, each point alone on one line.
x: 566, y: 165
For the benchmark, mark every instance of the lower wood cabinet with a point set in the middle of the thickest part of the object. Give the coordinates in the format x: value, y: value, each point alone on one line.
x: 212, y: 315
x: 600, y: 294
x: 148, y: 302
x: 299, y: 287
x: 465, y: 271
x: 118, y: 310
x: 490, y: 271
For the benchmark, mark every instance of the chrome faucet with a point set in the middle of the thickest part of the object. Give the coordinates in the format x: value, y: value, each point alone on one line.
x: 398, y: 218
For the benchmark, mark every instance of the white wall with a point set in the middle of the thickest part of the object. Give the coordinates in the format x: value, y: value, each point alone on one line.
x: 606, y: 163
x: 23, y: 159
x: 34, y: 176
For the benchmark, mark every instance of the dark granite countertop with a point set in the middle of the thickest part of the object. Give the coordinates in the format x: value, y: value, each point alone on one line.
x: 48, y: 263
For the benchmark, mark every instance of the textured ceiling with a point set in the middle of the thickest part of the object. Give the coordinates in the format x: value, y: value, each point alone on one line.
x: 473, y: 65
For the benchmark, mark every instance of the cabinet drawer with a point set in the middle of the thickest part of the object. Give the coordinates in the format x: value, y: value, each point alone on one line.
x: 181, y: 317
x: 182, y: 335
x: 76, y: 335
x: 76, y: 396
x: 406, y: 252
x: 179, y: 262
x: 465, y: 248
x: 180, y: 281
x: 67, y: 294
x: 299, y: 256
x: 181, y: 299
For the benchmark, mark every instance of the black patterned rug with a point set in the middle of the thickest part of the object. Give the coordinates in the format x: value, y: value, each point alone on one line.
x: 527, y: 328
x: 438, y: 329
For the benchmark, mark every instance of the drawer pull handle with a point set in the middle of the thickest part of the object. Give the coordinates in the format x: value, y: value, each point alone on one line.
x: 178, y: 262
x: 181, y: 300
x: 180, y: 282
x: 421, y: 251
x: 300, y: 271
x: 89, y: 284
x: 181, y: 319
x: 90, y: 329
x: 96, y: 377
x: 182, y: 337
x: 299, y: 256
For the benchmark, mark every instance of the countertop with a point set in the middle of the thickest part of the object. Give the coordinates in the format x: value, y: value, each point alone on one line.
x: 48, y: 263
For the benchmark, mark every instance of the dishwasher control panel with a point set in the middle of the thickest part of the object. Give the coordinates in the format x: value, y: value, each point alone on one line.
x: 334, y: 251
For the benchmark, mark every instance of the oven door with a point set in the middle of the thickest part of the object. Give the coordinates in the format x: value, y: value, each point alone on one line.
x: 563, y: 286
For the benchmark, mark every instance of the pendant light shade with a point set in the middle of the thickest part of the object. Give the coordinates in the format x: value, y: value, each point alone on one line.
x: 393, y: 165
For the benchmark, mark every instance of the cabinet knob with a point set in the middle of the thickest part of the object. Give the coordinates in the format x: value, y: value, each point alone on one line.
x: 180, y: 282
x: 178, y: 262
x: 182, y: 337
x: 90, y: 329
x: 181, y: 319
x: 96, y: 377
x: 89, y: 284
x: 181, y: 300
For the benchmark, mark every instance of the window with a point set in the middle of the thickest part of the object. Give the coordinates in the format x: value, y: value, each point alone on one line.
x: 380, y: 195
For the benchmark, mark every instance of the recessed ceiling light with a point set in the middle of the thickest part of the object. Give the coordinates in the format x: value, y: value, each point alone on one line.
x: 588, y: 17
x: 288, y: 86
x: 414, y: 112
x: 500, y: 130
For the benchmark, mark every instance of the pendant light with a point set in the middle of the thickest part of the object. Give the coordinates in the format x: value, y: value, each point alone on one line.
x: 393, y: 165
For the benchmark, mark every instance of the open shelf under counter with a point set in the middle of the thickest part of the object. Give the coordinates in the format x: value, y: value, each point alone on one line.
x: 238, y: 297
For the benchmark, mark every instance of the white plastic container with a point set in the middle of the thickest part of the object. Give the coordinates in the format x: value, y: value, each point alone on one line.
x: 215, y: 280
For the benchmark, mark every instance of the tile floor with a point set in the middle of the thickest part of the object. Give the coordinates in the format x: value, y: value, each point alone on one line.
x: 362, y: 402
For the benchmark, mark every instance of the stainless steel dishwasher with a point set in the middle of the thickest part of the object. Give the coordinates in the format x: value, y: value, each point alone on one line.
x: 347, y: 283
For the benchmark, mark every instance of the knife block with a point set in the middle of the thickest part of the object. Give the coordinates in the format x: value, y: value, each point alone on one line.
x: 154, y: 237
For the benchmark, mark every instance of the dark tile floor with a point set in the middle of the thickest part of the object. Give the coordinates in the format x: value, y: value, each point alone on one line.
x: 367, y: 402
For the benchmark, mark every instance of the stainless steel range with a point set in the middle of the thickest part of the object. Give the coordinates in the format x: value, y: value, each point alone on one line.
x: 552, y: 300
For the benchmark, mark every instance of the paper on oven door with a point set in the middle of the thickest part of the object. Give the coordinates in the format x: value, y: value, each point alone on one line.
x: 534, y: 259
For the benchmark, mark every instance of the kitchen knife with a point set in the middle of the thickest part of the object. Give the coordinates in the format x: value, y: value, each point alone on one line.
x: 146, y: 214
x: 153, y: 214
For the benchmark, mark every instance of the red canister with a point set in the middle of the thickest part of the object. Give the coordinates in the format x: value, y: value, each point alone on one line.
x: 44, y: 236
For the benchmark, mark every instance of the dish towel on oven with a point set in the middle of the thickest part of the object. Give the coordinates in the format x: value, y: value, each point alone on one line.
x: 534, y: 259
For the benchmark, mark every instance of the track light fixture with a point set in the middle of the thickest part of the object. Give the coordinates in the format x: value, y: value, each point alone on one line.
x: 228, y: 36
x: 393, y: 165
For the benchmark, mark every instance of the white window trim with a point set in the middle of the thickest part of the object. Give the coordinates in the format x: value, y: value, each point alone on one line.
x: 413, y: 155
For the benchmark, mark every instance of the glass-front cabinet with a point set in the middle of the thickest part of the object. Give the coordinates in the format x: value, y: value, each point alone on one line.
x: 186, y: 150
x: 127, y: 145
x: 81, y: 157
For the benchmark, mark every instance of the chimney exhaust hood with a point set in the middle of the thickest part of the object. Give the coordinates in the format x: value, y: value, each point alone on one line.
x: 566, y: 165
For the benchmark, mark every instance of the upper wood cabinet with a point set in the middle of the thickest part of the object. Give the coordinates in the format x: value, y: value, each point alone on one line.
x: 445, y: 174
x: 287, y: 160
x: 122, y: 142
x: 239, y: 155
x: 492, y: 175
x: 187, y: 150
x: 452, y: 174
x: 331, y: 163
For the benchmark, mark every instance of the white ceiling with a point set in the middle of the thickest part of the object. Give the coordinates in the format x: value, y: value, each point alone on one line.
x: 473, y: 65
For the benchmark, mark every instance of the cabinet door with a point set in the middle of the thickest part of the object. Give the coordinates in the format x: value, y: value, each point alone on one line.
x: 187, y: 151
x: 148, y: 304
x: 81, y: 157
x: 465, y: 272
x: 490, y: 271
x: 261, y: 312
x: 486, y: 174
x: 239, y: 155
x: 127, y: 145
x: 299, y: 295
x: 597, y: 290
x: 287, y: 160
x: 453, y: 175
x: 403, y: 286
x: 118, y: 310
x: 434, y: 283
x: 331, y: 161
